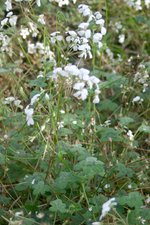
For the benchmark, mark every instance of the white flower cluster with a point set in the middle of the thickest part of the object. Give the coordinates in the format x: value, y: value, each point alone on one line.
x: 10, y: 18
x: 29, y: 111
x: 38, y: 47
x: 137, y: 4
x: 25, y: 31
x: 13, y: 100
x: 55, y: 36
x: 142, y: 77
x: 81, y: 81
x: 5, y: 43
x: 44, y: 51
x: 106, y: 207
x: 80, y: 40
x: 120, y: 30
x: 8, y: 3
x: 63, y: 2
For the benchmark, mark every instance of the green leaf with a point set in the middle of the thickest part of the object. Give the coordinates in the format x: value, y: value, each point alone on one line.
x: 90, y: 167
x: 108, y: 134
x: 65, y: 179
x: 108, y: 105
x: 144, y: 128
x: 124, y: 171
x: 40, y: 188
x: 125, y: 121
x: 2, y: 159
x: 39, y: 82
x: 58, y: 206
x: 133, y: 200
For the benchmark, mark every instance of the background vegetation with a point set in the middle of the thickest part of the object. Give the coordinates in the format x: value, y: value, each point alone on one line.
x: 62, y: 156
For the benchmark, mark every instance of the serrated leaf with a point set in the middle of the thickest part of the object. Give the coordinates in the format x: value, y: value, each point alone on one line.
x: 124, y: 121
x: 39, y: 82
x: 40, y: 188
x: 58, y: 206
x: 108, y: 134
x: 90, y: 167
x: 65, y: 179
x: 133, y: 200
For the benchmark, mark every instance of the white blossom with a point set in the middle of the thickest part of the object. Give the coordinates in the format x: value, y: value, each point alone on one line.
x: 24, y: 32
x: 106, y: 207
x: 9, y: 100
x: 121, y: 38
x: 8, y: 4
x: 38, y: 2
x: 147, y: 3
x: 130, y: 135
x: 137, y: 99
x: 34, y: 99
x: 41, y: 19
x: 29, y: 113
x: 84, y: 9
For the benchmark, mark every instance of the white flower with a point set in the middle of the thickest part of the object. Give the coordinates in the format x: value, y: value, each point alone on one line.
x: 97, y: 15
x: 4, y: 22
x: 84, y: 32
x: 62, y: 2
x: 82, y: 94
x: 29, y: 113
x: 129, y: 186
x: 60, y: 124
x: 78, y: 86
x: 106, y: 207
x: 38, y: 2
x: 47, y: 97
x: 41, y: 19
x: 17, y: 104
x: 86, y: 50
x: 147, y: 3
x: 84, y: 9
x: 62, y: 111
x: 103, y: 30
x: 147, y: 200
x: 31, y: 48
x: 8, y: 4
x: 19, y: 213
x: 84, y: 74
x: 121, y: 38
x: 107, y: 186
x: 55, y: 36
x: 96, y: 223
x: 72, y: 36
x: 13, y: 20
x: 100, y: 22
x: 8, y: 100
x: 97, y: 37
x: 24, y: 32
x: 72, y: 70
x: 130, y: 135
x: 33, y: 29
x: 96, y: 99
x: 74, y: 122
x: 34, y: 99
x: 137, y: 99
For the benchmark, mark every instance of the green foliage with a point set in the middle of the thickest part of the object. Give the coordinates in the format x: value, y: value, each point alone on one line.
x: 77, y: 155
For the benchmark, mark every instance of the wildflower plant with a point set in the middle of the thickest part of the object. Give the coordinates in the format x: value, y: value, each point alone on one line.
x: 74, y: 117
